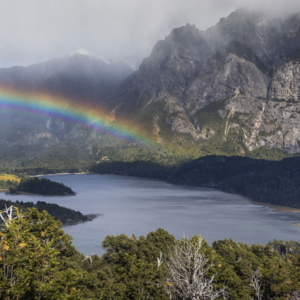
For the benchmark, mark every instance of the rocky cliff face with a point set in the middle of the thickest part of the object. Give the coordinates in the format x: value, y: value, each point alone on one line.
x: 245, y: 71
x: 233, y: 89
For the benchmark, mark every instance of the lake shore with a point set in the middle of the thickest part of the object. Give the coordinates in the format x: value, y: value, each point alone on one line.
x: 54, y: 174
x: 278, y: 208
x: 90, y: 217
x: 6, y: 191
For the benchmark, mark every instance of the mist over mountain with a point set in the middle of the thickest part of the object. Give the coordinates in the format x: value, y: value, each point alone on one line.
x: 80, y: 74
x: 230, y: 90
x: 234, y: 87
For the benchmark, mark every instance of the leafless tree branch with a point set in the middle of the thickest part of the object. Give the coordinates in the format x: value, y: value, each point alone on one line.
x: 188, y: 268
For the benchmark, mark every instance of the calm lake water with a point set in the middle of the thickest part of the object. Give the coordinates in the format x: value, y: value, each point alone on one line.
x: 132, y: 205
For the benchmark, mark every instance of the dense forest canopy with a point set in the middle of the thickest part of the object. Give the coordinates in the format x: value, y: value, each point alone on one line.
x: 274, y: 182
x: 43, y: 186
x: 17, y: 183
x: 60, y: 213
x: 38, y: 261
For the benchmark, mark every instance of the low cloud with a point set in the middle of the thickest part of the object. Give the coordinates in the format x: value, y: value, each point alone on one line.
x: 32, y: 31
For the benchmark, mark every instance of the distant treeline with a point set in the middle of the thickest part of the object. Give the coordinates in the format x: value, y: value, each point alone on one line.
x: 63, y: 214
x: 42, y: 186
x: 145, y: 169
x: 274, y: 182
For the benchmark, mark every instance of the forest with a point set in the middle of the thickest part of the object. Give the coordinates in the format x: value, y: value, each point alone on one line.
x: 8, y: 181
x: 65, y: 215
x: 18, y: 183
x: 38, y: 261
x: 42, y: 186
x: 274, y: 182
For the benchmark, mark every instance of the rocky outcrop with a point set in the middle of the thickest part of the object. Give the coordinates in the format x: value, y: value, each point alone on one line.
x: 286, y: 82
x: 249, y: 60
x: 233, y: 89
x: 270, y: 123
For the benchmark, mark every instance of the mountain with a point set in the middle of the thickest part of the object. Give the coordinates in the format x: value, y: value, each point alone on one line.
x: 79, y: 74
x: 233, y: 89
x: 29, y: 140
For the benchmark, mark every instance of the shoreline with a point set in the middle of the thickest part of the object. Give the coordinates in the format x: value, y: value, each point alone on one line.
x: 90, y: 217
x: 52, y: 174
x: 277, y: 208
x: 20, y: 193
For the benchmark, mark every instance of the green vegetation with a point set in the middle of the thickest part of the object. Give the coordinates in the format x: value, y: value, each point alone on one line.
x: 42, y: 186
x: 137, y: 169
x: 274, y: 182
x: 285, y: 248
x: 8, y: 181
x: 65, y: 215
x: 38, y: 261
x: 69, y: 148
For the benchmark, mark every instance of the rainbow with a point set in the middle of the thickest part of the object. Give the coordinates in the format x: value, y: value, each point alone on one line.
x: 77, y: 112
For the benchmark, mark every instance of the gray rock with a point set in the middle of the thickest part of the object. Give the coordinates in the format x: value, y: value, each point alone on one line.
x: 250, y: 59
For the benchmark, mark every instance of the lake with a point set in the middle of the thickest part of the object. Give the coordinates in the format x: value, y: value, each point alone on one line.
x: 133, y: 205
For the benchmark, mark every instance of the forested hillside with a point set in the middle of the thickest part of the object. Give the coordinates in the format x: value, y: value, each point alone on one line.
x: 274, y: 182
x: 38, y: 261
x: 42, y: 186
x: 65, y: 215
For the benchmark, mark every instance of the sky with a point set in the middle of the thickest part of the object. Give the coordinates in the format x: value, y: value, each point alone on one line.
x: 33, y: 31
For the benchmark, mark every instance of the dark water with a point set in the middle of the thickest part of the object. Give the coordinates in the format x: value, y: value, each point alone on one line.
x: 131, y: 205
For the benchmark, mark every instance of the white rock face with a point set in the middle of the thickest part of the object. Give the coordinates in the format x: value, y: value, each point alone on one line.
x: 286, y: 82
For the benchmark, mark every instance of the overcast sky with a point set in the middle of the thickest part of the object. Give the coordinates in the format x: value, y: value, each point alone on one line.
x: 37, y: 30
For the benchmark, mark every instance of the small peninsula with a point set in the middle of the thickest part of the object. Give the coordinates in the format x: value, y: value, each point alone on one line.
x: 15, y: 184
x: 67, y: 216
x: 41, y: 186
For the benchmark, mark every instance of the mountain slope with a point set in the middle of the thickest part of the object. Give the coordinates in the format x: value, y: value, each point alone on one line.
x: 80, y: 74
x: 233, y: 89
x: 35, y: 141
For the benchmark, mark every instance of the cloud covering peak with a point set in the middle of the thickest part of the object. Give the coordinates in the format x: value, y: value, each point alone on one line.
x: 32, y: 31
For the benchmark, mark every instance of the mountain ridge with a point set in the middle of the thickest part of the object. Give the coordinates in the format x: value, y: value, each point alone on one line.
x: 233, y: 89
x: 236, y: 61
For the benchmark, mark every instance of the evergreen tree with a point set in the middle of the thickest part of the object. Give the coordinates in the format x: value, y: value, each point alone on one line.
x: 35, y: 258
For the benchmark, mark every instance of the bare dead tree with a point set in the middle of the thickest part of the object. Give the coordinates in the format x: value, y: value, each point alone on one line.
x: 89, y: 258
x: 295, y: 295
x: 159, y: 260
x: 256, y: 285
x: 8, y: 214
x: 188, y: 268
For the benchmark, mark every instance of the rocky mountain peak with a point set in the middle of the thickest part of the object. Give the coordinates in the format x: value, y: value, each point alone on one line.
x: 233, y: 89
x: 247, y: 62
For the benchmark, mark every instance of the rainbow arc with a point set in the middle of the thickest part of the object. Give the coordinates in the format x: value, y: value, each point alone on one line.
x: 68, y: 110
